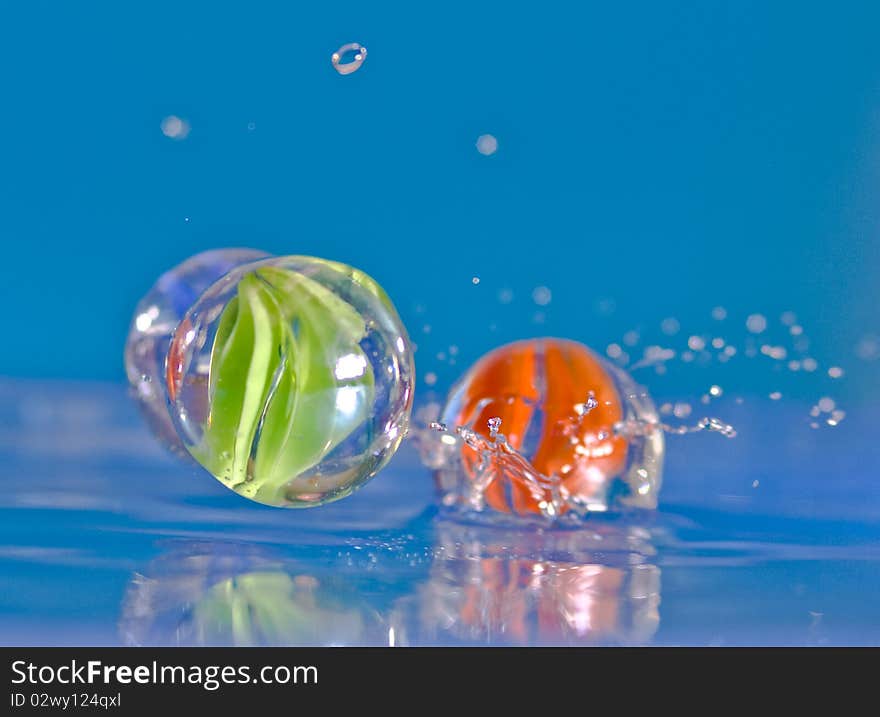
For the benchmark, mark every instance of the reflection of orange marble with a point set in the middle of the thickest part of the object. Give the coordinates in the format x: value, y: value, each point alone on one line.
x: 544, y: 379
x: 174, y: 364
x: 514, y: 598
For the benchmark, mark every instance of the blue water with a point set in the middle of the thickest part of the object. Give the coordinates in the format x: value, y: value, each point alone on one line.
x: 106, y: 539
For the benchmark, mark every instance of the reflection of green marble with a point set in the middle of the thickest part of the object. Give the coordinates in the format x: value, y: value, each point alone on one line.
x: 273, y: 608
x: 288, y: 381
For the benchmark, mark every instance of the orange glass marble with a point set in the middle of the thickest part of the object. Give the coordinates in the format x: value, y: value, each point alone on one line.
x: 559, y: 446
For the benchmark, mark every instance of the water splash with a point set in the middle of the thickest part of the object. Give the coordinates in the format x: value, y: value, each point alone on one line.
x: 497, y: 460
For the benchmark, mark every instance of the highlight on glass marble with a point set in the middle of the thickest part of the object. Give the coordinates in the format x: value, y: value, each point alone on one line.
x: 546, y: 427
x: 288, y: 378
x: 349, y: 58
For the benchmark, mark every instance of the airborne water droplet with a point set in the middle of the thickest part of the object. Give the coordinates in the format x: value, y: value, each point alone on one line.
x: 349, y: 58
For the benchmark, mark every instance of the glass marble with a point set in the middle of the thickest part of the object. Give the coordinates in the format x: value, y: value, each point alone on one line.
x: 548, y: 427
x: 290, y: 380
x: 153, y: 324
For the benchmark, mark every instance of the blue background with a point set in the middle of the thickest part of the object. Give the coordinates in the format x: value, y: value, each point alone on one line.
x: 670, y: 156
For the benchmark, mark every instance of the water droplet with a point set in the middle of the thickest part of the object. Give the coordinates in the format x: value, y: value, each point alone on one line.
x: 631, y: 338
x: 349, y: 58
x: 542, y: 295
x: 475, y: 280
x: 868, y: 348
x: 826, y: 404
x: 174, y: 127
x: 487, y: 144
x: 494, y: 426
x: 681, y: 410
x: 715, y: 391
x: 756, y: 323
x: 670, y: 326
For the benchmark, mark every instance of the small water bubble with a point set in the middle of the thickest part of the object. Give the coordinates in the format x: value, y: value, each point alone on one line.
x: 349, y: 58
x: 755, y: 483
x: 487, y: 144
x: 696, y: 343
x: 687, y: 356
x: 430, y: 378
x: 796, y: 330
x: 826, y: 404
x: 715, y: 390
x: 505, y: 296
x: 631, y: 338
x: 541, y: 295
x: 718, y: 343
x: 802, y: 344
x: 605, y: 306
x: 775, y: 395
x: 670, y: 326
x: 681, y: 410
x: 174, y: 127
x: 788, y: 318
x: 868, y: 348
x: 756, y: 323
x: 453, y: 350
x: 835, y: 372
x: 475, y: 280
x: 251, y: 126
x: 794, y: 365
x: 774, y: 352
x: 719, y: 313
x: 426, y: 329
x: 539, y: 317
x: 809, y: 365
x: 613, y: 351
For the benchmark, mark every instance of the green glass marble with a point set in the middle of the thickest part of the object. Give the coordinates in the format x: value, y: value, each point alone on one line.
x: 291, y: 380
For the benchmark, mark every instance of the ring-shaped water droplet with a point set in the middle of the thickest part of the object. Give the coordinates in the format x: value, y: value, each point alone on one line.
x: 349, y: 58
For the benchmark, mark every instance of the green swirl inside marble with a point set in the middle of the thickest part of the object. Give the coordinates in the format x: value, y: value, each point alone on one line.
x: 288, y: 382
